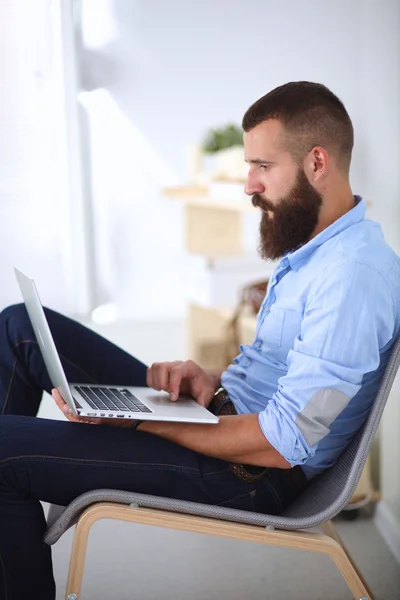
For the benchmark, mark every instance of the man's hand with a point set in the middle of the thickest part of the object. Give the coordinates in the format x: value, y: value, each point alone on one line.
x: 63, y: 406
x: 183, y: 377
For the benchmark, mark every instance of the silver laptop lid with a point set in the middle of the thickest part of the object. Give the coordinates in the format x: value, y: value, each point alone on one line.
x: 44, y: 337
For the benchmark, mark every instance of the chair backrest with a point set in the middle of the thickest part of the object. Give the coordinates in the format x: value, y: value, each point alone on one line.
x: 332, y: 490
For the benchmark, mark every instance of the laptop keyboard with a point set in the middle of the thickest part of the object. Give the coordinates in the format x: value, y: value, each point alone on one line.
x: 112, y: 399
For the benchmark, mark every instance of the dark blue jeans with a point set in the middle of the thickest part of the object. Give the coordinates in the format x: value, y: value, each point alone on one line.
x: 55, y: 461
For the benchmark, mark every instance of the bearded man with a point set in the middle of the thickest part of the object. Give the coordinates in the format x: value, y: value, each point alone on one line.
x: 290, y: 402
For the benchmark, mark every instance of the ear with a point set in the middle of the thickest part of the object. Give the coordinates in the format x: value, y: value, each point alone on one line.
x: 316, y: 164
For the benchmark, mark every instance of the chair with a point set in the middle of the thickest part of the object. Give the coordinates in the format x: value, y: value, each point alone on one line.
x: 325, y: 497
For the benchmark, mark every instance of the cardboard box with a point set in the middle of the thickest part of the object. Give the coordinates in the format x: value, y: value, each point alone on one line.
x: 213, y: 232
x: 207, y: 335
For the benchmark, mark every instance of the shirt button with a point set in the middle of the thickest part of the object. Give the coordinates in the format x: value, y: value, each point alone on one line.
x: 258, y: 344
x: 242, y: 375
x: 246, y: 362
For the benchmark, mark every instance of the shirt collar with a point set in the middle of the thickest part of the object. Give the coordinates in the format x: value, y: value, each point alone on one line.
x: 353, y: 216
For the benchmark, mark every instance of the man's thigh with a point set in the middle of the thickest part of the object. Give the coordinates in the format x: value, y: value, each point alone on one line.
x: 55, y: 461
x: 89, y: 357
x: 85, y: 355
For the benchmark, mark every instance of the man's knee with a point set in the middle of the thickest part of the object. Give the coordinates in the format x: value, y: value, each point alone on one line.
x: 15, y: 324
x: 16, y: 312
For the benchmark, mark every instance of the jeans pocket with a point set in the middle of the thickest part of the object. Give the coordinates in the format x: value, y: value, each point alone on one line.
x: 243, y: 501
x: 267, y: 498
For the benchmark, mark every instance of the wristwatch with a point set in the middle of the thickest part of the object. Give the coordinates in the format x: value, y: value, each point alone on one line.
x: 221, y: 392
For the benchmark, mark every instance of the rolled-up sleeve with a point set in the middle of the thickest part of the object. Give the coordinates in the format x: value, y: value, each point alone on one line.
x: 348, y: 319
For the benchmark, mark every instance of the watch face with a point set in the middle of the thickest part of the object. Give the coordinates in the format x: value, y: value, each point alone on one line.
x: 221, y: 397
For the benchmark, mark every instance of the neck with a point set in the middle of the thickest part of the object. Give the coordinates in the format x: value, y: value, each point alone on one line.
x: 336, y: 204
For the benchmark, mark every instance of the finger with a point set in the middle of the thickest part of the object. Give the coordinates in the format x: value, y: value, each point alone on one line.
x: 160, y: 374
x: 156, y: 375
x: 205, y: 397
x: 56, y: 395
x: 71, y: 416
x: 175, y: 379
x: 63, y: 406
x: 92, y: 421
x: 149, y: 378
x: 58, y: 399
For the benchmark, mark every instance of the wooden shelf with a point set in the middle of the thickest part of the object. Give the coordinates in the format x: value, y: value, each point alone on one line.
x: 200, y: 196
x: 185, y: 191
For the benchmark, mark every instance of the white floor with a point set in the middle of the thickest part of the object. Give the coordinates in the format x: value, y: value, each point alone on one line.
x: 127, y: 561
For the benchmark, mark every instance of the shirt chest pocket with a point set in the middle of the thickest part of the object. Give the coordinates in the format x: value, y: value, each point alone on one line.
x: 271, y: 328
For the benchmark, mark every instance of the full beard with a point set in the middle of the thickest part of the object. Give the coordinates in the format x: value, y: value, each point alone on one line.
x: 294, y: 218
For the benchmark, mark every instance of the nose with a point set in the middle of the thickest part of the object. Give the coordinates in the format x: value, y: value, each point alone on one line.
x: 253, y: 186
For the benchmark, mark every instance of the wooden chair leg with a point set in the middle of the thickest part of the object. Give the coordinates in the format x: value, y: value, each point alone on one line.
x: 78, y: 554
x: 329, y: 544
x: 347, y: 566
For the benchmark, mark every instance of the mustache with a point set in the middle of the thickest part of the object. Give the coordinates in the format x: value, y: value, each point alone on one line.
x: 259, y: 202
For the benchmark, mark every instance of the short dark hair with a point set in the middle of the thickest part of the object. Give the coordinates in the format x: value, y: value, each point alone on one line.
x: 311, y: 115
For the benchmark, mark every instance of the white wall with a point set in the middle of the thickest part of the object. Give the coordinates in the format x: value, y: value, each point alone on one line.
x: 379, y: 81
x: 171, y: 71
x: 380, y: 77
x: 33, y: 232
x: 174, y: 70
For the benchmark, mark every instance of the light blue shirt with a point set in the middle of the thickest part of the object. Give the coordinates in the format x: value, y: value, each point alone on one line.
x: 324, y: 332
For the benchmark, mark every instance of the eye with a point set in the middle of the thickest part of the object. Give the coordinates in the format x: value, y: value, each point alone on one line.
x: 264, y: 167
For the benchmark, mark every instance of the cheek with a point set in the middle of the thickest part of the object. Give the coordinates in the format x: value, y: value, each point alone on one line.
x: 278, y: 186
x: 272, y: 185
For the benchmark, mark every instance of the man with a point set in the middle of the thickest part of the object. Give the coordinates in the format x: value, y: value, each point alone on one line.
x: 290, y: 402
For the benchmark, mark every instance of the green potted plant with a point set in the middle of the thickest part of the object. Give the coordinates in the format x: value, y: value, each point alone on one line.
x: 225, y: 145
x: 224, y: 137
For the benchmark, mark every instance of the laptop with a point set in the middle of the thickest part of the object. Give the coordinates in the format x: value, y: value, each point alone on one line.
x: 106, y: 401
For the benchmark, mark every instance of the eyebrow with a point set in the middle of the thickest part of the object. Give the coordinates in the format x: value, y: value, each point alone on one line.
x: 258, y: 161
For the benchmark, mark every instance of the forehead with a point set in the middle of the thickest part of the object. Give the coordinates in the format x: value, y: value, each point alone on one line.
x: 264, y: 140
